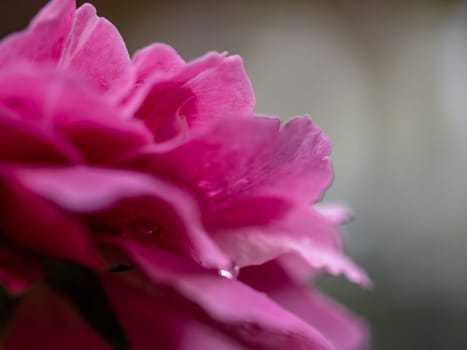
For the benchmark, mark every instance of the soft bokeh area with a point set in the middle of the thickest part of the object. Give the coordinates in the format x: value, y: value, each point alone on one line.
x: 387, y: 81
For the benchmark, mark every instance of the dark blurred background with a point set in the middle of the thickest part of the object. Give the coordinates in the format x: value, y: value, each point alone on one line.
x: 387, y: 81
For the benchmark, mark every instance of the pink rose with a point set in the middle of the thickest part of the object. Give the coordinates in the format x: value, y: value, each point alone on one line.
x: 144, y: 205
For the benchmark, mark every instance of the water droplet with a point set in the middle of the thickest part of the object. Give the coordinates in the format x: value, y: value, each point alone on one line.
x: 231, y: 273
x: 226, y: 273
x: 144, y: 228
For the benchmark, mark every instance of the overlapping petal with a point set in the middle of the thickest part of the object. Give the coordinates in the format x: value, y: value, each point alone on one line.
x: 337, y: 213
x: 29, y: 143
x: 173, y: 97
x: 43, y: 41
x: 345, y: 331
x: 29, y: 221
x: 158, y: 167
x: 238, y: 158
x: 71, y: 109
x: 18, y: 268
x: 45, y: 320
x: 244, y: 313
x: 95, y: 49
x: 164, y: 319
x: 128, y: 204
x: 76, y: 41
x: 299, y: 230
x: 253, y: 184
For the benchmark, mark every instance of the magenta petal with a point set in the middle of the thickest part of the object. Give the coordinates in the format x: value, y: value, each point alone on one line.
x: 300, y: 230
x: 71, y: 109
x: 163, y: 320
x: 152, y: 64
x: 96, y: 50
x: 298, y: 268
x: 26, y: 142
x: 221, y: 92
x: 174, y: 97
x: 206, y: 338
x: 18, y: 269
x: 44, y: 320
x: 76, y: 41
x: 246, y: 157
x: 344, y: 330
x: 300, y: 161
x: 102, y: 140
x: 128, y: 200
x: 25, y: 91
x: 249, y: 315
x: 96, y: 128
x: 337, y: 213
x: 34, y: 224
x: 45, y: 37
x: 157, y: 60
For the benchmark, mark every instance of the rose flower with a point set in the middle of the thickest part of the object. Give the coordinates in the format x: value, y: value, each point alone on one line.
x: 144, y: 205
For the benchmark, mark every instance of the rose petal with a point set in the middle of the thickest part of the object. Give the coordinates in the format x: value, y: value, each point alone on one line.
x: 156, y: 60
x: 96, y: 50
x: 128, y: 201
x: 337, y: 213
x: 26, y: 142
x: 75, y: 41
x: 175, y: 97
x: 31, y: 222
x: 145, y: 317
x: 247, y: 157
x: 222, y: 92
x: 43, y: 40
x: 298, y: 268
x: 72, y: 109
x: 249, y: 315
x: 345, y: 331
x: 300, y: 230
x: 44, y: 320
x: 206, y: 338
x: 18, y: 269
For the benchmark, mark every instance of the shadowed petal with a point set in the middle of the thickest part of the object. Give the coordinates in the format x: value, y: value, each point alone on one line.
x: 26, y: 142
x: 345, y: 331
x: 18, y: 269
x: 71, y: 109
x: 164, y: 319
x: 245, y: 157
x: 247, y: 314
x: 45, y: 320
x: 131, y: 204
x: 174, y: 97
x: 299, y: 230
x: 31, y: 222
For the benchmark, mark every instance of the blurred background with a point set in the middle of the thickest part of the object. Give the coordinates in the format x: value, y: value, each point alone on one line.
x: 387, y: 81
